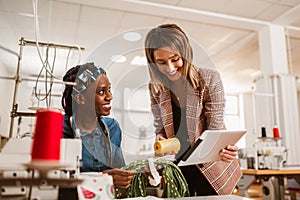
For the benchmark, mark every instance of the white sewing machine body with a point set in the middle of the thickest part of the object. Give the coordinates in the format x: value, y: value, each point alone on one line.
x: 16, y: 174
x: 266, y: 153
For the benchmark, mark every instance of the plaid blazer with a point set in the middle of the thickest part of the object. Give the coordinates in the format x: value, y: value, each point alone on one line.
x: 204, y: 110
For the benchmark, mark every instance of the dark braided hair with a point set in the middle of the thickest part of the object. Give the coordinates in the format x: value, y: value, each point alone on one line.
x: 74, y: 75
x: 67, y: 100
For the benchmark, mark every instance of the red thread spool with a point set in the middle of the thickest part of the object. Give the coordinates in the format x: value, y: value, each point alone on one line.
x: 47, y: 135
x: 276, y: 132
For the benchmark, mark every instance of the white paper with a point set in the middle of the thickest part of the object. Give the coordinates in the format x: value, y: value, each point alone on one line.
x: 213, y: 142
x: 156, y: 177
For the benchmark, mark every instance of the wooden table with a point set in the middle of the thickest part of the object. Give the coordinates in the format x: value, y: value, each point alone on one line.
x: 280, y: 177
x: 273, y: 172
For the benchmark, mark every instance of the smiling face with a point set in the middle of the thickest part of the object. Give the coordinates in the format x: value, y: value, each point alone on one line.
x: 99, y: 94
x: 103, y: 96
x: 168, y: 62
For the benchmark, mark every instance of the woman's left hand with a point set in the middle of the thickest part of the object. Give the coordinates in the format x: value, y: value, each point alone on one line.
x: 229, y: 153
x: 121, y: 178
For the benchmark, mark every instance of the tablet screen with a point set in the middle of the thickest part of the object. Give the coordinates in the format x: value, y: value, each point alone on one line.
x: 211, y: 142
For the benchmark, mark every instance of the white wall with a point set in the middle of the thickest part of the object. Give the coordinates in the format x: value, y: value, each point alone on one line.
x: 6, y: 88
x: 131, y: 107
x: 251, y: 134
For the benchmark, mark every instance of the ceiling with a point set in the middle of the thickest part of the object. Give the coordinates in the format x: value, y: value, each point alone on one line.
x: 224, y: 31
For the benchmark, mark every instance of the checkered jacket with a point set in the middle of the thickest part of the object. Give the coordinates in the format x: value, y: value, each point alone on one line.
x: 204, y: 111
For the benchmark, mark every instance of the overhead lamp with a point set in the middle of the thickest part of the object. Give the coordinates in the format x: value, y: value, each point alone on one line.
x: 132, y: 36
x: 118, y: 58
x: 139, y: 61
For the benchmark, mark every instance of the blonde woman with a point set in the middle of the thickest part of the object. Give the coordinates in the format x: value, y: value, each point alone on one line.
x: 186, y: 100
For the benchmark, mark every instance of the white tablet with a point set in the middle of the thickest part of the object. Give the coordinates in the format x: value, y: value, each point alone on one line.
x: 209, y: 144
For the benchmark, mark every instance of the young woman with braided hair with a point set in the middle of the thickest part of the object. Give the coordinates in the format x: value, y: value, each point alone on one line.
x: 86, y: 104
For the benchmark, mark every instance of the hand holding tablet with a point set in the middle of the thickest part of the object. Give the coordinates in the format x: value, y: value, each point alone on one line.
x: 208, y: 146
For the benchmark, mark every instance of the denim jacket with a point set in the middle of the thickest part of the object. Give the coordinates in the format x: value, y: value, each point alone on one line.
x: 98, y: 152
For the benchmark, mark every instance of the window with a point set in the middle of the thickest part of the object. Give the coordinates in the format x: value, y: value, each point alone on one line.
x: 233, y: 115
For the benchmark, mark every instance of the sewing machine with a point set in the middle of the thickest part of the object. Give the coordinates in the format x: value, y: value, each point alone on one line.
x: 19, y: 178
x: 266, y: 153
x: 260, y: 162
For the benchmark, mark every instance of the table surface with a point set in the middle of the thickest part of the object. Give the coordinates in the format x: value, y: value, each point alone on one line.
x: 221, y: 197
x: 283, y: 171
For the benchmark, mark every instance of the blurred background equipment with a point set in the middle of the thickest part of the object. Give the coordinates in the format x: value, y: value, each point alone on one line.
x: 266, y: 152
x: 20, y: 178
x: 264, y: 165
x: 48, y: 79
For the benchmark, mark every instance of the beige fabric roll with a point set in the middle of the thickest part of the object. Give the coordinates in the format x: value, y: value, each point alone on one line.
x: 167, y: 146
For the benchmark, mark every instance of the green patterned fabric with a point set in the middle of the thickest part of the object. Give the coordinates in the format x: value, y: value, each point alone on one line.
x: 175, y: 183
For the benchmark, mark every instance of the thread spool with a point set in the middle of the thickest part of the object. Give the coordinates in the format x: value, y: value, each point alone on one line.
x: 263, y: 132
x: 276, y: 132
x: 47, y: 135
x: 167, y: 146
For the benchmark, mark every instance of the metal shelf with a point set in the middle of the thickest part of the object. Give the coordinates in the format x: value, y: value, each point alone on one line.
x: 14, y: 111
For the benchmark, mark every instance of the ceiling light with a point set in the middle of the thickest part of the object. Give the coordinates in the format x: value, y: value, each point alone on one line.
x: 132, y: 36
x: 118, y: 58
x: 139, y: 61
x: 255, y: 74
x: 26, y: 14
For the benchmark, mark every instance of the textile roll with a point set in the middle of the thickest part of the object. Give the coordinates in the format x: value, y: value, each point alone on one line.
x: 96, y: 185
x: 167, y: 146
x: 47, y: 135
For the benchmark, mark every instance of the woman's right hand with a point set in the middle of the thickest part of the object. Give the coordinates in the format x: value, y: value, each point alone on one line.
x: 160, y: 137
x: 121, y: 178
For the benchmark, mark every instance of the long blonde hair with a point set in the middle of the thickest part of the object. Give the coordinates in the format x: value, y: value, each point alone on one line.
x: 170, y: 35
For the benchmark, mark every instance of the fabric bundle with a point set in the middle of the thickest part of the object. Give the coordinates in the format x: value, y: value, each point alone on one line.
x: 175, y: 184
